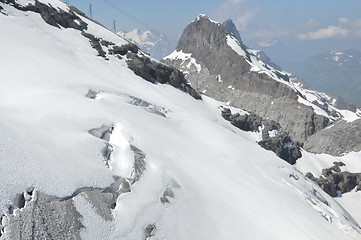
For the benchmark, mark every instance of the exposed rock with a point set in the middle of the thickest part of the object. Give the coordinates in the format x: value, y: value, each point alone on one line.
x: 149, y: 231
x: 122, y: 50
x: 155, y: 72
x: 281, y: 143
x: 44, y: 218
x: 107, y: 43
x: 54, y: 17
x: 248, y: 122
x: 96, y: 44
x: 168, y: 193
x: 333, y: 180
x: 92, y: 94
x: 102, y: 202
x: 161, y: 111
x: 340, y: 138
x: 139, y: 164
x: 284, y: 147
x: 102, y: 132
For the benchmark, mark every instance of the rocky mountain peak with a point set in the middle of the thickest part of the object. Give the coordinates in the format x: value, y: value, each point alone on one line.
x: 231, y: 27
x: 220, y: 66
x: 202, y: 31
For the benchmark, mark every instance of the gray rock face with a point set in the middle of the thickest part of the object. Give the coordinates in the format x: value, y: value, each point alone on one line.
x: 334, y: 181
x: 281, y: 143
x: 227, y: 76
x: 44, y: 218
x: 341, y: 138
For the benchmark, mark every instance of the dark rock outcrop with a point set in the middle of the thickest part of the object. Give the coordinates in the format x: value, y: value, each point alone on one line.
x: 54, y: 17
x: 280, y: 143
x: 284, y: 147
x: 122, y: 50
x: 334, y: 181
x: 155, y: 72
x: 96, y: 44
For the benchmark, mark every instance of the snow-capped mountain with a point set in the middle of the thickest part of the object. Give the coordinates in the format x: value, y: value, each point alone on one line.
x: 100, y: 142
x: 156, y: 44
x: 219, y: 65
x: 336, y: 72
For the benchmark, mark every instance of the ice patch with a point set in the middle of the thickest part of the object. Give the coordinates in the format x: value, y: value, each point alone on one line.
x: 316, y: 109
x: 186, y: 58
x: 235, y: 45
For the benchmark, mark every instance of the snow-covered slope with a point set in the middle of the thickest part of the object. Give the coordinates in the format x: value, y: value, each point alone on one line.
x: 78, y: 130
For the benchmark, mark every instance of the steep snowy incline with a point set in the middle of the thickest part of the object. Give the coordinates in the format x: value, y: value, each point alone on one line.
x: 88, y: 146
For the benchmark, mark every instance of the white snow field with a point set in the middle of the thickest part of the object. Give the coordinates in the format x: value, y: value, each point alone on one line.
x: 225, y: 185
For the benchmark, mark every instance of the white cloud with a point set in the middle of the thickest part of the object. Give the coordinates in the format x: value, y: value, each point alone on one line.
x: 342, y: 20
x: 237, y: 10
x: 323, y: 33
x: 267, y: 43
x: 311, y: 23
x: 346, y: 28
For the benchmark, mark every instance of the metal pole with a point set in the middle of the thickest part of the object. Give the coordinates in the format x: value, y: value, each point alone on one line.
x: 114, y: 26
x: 90, y: 12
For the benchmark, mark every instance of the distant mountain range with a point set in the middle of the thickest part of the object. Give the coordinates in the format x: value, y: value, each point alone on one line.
x: 336, y: 72
x: 156, y: 44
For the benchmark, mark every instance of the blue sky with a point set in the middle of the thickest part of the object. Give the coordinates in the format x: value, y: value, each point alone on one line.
x: 287, y: 30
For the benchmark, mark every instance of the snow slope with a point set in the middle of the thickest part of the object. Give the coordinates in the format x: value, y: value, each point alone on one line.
x: 224, y: 185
